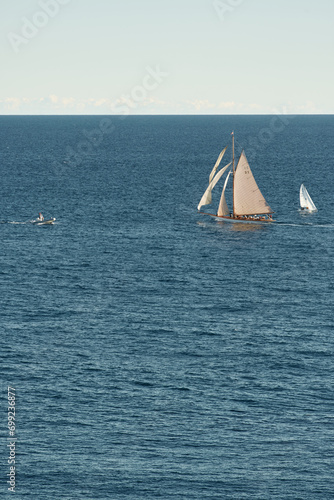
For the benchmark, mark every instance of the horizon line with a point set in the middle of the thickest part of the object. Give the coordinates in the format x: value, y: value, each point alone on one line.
x: 166, y: 114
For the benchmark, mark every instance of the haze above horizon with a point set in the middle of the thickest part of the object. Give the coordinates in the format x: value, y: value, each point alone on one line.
x: 177, y: 57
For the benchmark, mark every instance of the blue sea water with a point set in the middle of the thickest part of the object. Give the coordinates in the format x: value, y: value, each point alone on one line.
x: 156, y: 352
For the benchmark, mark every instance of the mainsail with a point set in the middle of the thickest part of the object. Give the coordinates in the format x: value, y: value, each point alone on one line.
x: 247, y: 197
x: 223, y: 208
x: 207, y: 196
x: 306, y: 200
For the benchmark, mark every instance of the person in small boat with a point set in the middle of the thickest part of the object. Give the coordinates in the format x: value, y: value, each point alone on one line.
x: 40, y: 217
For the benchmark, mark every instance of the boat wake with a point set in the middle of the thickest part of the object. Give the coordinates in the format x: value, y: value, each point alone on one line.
x: 303, y: 224
x: 30, y: 222
x: 11, y: 222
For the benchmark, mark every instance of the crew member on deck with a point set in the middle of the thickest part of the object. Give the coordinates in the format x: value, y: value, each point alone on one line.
x: 40, y: 216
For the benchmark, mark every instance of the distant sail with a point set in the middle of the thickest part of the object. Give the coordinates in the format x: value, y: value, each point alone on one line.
x: 207, y: 196
x: 223, y: 208
x: 248, y: 199
x: 306, y: 201
x: 219, y: 159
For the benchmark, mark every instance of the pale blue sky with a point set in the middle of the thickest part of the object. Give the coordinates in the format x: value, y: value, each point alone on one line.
x: 162, y: 57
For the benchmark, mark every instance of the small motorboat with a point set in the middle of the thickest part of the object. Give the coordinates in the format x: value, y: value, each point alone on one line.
x: 44, y: 222
x: 40, y: 221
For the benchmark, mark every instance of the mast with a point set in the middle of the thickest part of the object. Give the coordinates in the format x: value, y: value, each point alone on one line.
x: 233, y: 151
x: 233, y: 168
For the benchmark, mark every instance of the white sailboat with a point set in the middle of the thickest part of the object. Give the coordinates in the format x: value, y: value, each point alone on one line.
x: 306, y: 202
x: 249, y: 205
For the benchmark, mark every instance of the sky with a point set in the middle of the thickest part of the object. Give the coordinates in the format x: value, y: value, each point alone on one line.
x: 167, y: 57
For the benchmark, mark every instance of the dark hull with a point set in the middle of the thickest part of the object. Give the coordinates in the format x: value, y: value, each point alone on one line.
x: 239, y: 219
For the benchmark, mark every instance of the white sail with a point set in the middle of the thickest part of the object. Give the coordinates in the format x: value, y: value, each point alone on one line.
x: 247, y: 197
x: 219, y: 159
x: 207, y: 197
x: 223, y: 208
x: 306, y: 202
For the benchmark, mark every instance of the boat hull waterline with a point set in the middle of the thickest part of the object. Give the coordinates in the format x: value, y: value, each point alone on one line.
x: 239, y: 219
x: 44, y: 222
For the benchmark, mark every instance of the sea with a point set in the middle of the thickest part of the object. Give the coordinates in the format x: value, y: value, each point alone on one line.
x: 152, y: 352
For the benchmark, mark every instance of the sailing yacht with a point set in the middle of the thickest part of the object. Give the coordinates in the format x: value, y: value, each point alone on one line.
x: 249, y: 205
x: 306, y: 202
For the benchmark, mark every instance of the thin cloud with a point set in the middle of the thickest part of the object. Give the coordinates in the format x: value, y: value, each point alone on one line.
x: 12, y: 103
x: 53, y: 98
x: 54, y: 104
